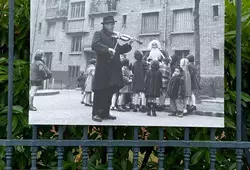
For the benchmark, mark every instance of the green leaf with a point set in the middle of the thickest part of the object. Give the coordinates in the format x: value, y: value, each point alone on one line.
x: 70, y: 157
x: 197, y: 157
x: 14, y: 123
x: 124, y: 164
x: 21, y: 161
x: 230, y: 123
x: 232, y: 69
x: 17, y: 109
x: 2, y: 164
x: 245, y: 97
x: 233, y: 166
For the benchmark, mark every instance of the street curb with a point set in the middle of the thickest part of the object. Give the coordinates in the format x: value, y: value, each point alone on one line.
x: 201, y: 113
x: 47, y: 93
x: 212, y: 101
x: 212, y: 114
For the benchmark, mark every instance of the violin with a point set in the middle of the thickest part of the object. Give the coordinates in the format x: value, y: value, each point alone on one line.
x: 124, y: 37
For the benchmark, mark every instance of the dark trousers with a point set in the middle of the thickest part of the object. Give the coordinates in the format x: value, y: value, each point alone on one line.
x: 102, y: 102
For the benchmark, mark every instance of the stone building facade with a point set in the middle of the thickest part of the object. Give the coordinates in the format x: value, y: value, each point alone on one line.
x: 64, y: 30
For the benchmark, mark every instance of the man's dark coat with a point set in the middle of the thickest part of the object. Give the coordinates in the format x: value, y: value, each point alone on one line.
x: 108, y: 71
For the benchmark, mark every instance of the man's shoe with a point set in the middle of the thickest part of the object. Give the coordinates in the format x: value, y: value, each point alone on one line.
x: 110, y: 117
x: 96, y: 118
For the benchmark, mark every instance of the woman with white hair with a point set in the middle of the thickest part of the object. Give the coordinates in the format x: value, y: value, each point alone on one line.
x: 187, y: 82
x: 38, y: 73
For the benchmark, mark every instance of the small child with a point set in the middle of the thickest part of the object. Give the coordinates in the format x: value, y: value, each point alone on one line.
x: 139, y: 70
x: 166, y: 74
x: 176, y: 91
x: 153, y: 85
x: 127, y: 85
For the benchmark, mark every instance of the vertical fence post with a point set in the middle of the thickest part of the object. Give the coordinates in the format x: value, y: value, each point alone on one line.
x: 85, y: 149
x: 135, y: 150
x: 60, y: 150
x: 161, y: 150
x: 34, y: 149
x: 186, y: 150
x: 10, y: 83
x: 110, y: 149
x: 212, y: 150
x: 238, y: 82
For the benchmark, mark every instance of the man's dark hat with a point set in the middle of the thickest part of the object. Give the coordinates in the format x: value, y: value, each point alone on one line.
x: 108, y: 19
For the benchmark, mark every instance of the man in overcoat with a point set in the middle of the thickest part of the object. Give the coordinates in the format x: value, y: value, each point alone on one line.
x: 108, y: 74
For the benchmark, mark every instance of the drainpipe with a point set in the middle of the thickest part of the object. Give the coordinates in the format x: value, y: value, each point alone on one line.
x: 165, y: 24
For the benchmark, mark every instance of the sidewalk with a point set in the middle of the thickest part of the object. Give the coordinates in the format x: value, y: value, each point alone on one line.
x: 66, y: 109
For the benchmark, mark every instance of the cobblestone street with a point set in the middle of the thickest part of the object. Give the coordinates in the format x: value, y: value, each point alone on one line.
x: 65, y: 109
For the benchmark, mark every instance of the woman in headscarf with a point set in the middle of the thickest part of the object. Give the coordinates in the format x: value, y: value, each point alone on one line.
x: 38, y: 73
x: 187, y: 83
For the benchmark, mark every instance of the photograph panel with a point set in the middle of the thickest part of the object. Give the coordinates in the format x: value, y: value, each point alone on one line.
x: 127, y: 63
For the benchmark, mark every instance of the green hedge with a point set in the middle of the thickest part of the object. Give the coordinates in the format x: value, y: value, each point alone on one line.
x: 46, y: 158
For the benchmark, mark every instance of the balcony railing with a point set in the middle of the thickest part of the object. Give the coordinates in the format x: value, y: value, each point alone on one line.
x: 103, y: 6
x: 76, y: 26
x: 57, y: 12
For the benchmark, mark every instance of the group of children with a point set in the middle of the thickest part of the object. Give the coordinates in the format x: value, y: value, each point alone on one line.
x: 148, y: 83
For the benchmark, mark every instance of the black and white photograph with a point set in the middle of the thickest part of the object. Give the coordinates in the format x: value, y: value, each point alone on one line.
x: 127, y: 63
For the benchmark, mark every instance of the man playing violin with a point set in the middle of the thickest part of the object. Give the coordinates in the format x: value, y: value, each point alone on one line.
x: 108, y: 74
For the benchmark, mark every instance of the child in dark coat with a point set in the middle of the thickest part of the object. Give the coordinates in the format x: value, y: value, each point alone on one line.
x: 176, y: 91
x: 153, y: 86
x: 139, y: 71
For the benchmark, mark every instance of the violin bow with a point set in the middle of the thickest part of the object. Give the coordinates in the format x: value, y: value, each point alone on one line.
x: 120, y: 33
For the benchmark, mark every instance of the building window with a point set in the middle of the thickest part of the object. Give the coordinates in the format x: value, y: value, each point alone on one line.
x: 63, y: 25
x: 74, y: 71
x: 216, y: 56
x: 60, y: 57
x: 180, y: 54
x: 76, y: 45
x: 183, y: 20
x: 216, y: 10
x: 51, y: 30
x: 92, y: 22
x: 150, y: 23
x: 124, y: 20
x: 78, y: 10
x: 39, y: 27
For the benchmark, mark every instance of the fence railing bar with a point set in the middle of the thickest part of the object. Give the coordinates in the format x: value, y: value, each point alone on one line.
x: 10, y: 82
x: 60, y: 150
x: 110, y: 149
x: 34, y: 149
x: 135, y: 150
x: 161, y: 150
x: 238, y: 69
x: 186, y: 150
x: 130, y: 143
x: 85, y: 149
x: 239, y: 152
x: 212, y: 150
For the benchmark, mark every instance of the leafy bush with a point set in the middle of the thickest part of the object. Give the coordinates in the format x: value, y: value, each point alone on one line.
x: 47, y: 157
